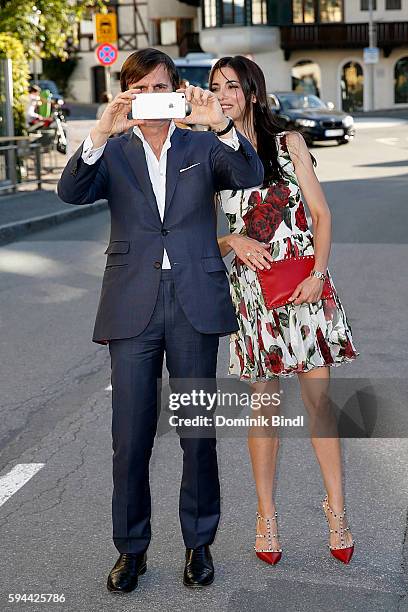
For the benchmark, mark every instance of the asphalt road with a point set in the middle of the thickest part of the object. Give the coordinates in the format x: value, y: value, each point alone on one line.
x: 55, y: 412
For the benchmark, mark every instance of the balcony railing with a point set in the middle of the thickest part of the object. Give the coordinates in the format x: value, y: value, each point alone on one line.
x: 342, y: 35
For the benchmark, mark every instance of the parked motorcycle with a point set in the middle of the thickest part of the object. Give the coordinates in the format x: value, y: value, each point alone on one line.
x: 55, y: 122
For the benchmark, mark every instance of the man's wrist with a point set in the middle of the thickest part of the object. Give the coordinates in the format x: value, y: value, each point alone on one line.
x: 98, y: 137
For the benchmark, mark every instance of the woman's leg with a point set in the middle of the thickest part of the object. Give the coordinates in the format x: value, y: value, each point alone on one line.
x: 263, y: 444
x: 314, y: 389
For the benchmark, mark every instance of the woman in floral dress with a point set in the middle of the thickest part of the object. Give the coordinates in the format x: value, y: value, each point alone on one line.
x: 309, y: 334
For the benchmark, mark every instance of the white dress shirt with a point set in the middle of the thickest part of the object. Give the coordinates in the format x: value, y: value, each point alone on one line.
x: 156, y: 167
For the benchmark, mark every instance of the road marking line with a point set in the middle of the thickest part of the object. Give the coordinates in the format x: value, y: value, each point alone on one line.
x: 15, y: 479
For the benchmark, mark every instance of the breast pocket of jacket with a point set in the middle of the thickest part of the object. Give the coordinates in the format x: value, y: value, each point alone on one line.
x: 193, y: 170
x: 118, y: 254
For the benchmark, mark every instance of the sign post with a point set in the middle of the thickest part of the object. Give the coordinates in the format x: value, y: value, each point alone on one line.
x: 371, y: 53
x: 107, y: 55
x: 105, y: 28
x: 105, y: 34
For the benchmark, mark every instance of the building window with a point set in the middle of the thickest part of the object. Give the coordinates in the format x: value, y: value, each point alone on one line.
x: 169, y: 31
x: 210, y: 13
x: 233, y: 12
x: 364, y: 5
x: 304, y: 11
x: 315, y: 11
x: 164, y: 31
x: 392, y: 5
x: 297, y: 10
x: 330, y: 11
x: 259, y: 12
x: 401, y: 81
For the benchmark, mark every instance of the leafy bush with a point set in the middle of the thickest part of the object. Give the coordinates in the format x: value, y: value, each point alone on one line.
x: 12, y: 48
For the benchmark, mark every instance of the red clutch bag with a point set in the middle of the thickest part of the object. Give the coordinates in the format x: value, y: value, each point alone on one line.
x: 279, y: 282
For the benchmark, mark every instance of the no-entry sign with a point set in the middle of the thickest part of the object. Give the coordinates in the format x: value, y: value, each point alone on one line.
x: 107, y: 54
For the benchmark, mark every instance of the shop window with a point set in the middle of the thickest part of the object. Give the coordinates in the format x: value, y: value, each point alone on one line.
x: 352, y: 87
x: 401, y: 81
x: 306, y: 77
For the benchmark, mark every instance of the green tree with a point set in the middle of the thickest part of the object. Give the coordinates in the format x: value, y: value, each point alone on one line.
x: 43, y: 26
x: 38, y: 28
x: 13, y: 49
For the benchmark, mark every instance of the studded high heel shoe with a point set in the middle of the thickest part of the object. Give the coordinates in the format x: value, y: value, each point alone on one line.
x: 269, y: 555
x: 343, y: 552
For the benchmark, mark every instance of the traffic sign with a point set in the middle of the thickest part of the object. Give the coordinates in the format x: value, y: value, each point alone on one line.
x: 105, y: 28
x: 371, y: 55
x: 107, y: 54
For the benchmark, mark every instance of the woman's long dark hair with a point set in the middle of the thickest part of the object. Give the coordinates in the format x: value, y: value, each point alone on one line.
x: 266, y: 123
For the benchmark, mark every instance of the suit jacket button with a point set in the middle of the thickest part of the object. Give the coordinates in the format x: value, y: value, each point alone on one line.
x: 157, y: 265
x: 164, y: 232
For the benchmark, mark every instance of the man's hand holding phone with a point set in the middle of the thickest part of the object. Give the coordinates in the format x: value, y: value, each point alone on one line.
x: 115, y: 118
x: 205, y: 110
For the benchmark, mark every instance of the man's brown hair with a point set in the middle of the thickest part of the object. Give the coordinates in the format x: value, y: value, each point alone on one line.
x: 140, y: 63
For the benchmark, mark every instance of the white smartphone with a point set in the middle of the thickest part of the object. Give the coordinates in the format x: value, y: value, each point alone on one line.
x: 160, y: 106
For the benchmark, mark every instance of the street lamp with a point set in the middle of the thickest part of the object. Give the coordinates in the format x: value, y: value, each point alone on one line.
x: 34, y: 19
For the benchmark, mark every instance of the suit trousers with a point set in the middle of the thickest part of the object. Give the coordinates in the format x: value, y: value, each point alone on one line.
x: 136, y: 371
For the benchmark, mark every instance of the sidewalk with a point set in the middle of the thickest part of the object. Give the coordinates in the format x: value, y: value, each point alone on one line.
x: 31, y: 211
x: 392, y: 113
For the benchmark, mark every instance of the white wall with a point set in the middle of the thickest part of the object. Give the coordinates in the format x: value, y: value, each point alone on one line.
x: 170, y: 8
x: 353, y: 14
x: 278, y: 73
x: 276, y: 70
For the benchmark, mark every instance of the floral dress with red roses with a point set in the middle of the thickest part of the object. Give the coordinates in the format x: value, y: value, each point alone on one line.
x: 294, y: 338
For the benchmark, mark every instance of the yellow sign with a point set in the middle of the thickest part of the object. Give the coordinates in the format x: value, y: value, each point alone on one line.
x: 105, y: 28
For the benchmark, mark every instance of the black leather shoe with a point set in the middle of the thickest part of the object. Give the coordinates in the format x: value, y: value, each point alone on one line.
x: 199, y: 569
x: 124, y: 575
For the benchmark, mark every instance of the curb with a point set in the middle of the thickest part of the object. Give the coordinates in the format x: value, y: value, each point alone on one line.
x: 12, y: 231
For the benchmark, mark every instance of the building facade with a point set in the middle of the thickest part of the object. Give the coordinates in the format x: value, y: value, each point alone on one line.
x: 171, y: 26
x: 316, y: 46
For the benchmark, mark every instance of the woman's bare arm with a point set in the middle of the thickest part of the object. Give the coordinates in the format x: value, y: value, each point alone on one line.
x: 319, y: 210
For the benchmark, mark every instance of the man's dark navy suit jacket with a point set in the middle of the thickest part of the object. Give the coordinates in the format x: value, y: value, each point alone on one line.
x: 138, y: 236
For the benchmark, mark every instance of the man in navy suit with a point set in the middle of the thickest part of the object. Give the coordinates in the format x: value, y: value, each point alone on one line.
x: 165, y: 290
